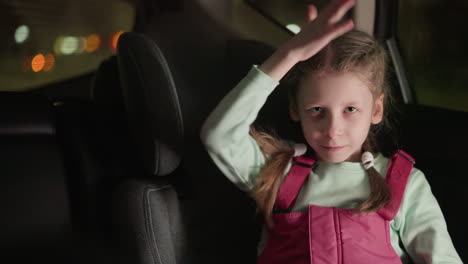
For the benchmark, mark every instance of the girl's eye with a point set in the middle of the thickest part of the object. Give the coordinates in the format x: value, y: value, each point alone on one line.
x: 315, y: 109
x: 351, y: 109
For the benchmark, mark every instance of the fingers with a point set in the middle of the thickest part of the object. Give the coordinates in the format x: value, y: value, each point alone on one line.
x: 337, y: 9
x: 311, y: 13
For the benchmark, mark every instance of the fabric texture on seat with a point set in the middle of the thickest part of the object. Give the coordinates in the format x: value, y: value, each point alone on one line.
x: 150, y: 221
x: 147, y: 207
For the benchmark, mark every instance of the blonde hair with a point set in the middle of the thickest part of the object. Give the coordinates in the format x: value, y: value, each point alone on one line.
x: 355, y: 52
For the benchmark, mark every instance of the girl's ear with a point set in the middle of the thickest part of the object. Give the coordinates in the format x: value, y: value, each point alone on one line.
x: 293, y: 109
x: 378, y: 110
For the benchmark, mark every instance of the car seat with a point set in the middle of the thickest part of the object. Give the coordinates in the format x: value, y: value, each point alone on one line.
x: 146, y: 205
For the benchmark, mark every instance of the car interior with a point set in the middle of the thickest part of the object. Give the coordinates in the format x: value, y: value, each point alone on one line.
x: 101, y: 159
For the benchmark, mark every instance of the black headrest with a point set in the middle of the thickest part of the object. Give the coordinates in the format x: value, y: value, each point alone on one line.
x: 151, y: 103
x: 25, y: 114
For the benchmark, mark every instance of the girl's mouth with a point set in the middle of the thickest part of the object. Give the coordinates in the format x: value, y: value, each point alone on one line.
x: 333, y: 148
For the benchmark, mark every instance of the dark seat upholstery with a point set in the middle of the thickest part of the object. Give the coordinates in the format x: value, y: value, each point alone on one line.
x: 215, y: 219
x: 442, y: 159
x: 47, y: 171
x: 35, y: 221
x: 99, y: 156
x: 147, y: 206
x: 94, y: 136
x: 42, y: 210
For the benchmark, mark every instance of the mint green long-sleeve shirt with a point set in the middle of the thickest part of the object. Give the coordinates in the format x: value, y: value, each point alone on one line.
x: 418, y: 232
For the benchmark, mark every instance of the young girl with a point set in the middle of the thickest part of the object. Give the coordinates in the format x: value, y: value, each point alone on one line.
x: 324, y: 205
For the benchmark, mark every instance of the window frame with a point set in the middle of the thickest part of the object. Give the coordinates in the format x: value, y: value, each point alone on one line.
x: 386, y: 15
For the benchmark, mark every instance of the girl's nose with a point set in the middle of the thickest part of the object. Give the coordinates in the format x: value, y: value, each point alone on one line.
x: 333, y: 127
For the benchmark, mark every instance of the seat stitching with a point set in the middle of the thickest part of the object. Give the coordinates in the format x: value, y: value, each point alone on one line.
x: 150, y: 220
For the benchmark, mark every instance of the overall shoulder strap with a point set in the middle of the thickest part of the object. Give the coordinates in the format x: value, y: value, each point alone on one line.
x: 398, y: 174
x: 291, y: 186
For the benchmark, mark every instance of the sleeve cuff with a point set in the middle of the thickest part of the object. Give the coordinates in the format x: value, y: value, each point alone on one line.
x: 261, y: 79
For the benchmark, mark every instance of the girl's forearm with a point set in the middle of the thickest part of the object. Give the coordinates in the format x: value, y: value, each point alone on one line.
x: 278, y: 64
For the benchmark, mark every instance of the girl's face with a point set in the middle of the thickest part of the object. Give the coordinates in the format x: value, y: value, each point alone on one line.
x: 336, y: 111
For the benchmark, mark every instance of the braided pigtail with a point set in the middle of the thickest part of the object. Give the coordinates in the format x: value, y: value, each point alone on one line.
x: 266, y: 188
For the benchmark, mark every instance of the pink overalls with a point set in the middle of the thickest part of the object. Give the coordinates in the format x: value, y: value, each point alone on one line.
x: 324, y: 235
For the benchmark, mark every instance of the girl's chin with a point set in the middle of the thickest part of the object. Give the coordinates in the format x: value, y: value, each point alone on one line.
x: 331, y: 160
x: 337, y: 158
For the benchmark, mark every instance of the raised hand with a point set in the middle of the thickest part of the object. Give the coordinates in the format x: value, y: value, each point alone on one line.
x: 314, y: 36
x: 321, y: 29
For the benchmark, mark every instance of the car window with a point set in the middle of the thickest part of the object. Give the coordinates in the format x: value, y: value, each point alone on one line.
x: 433, y: 38
x: 289, y: 14
x: 49, y: 41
